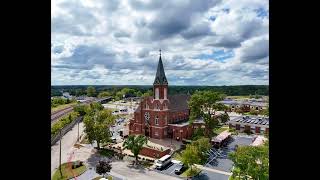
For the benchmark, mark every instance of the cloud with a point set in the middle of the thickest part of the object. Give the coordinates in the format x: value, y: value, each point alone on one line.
x: 209, y: 42
x: 254, y: 49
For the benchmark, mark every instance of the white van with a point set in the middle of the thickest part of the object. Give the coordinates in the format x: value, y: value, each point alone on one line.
x: 164, y: 161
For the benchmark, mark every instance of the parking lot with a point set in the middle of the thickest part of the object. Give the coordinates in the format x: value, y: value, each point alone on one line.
x: 169, y: 169
x: 208, y: 175
x: 221, y: 161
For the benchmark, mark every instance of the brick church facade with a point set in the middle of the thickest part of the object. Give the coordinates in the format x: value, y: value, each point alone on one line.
x: 162, y: 116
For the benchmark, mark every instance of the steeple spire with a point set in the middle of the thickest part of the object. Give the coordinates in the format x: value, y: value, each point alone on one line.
x: 160, y: 75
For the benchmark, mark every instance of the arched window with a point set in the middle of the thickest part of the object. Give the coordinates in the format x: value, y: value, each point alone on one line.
x: 157, y: 93
x: 165, y: 120
x: 164, y: 106
x: 146, y: 106
x: 157, y: 106
x: 156, y: 120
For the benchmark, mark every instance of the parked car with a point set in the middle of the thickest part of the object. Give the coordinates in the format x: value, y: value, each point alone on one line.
x: 179, y: 169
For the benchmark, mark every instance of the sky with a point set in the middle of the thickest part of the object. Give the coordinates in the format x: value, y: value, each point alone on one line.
x: 117, y: 42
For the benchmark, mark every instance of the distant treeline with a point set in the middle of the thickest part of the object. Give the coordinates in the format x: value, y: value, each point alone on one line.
x: 241, y: 90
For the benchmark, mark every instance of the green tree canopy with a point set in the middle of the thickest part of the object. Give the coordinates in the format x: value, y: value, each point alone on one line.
x: 190, y: 156
x: 204, y: 104
x: 91, y: 91
x: 251, y: 161
x: 81, y: 109
x: 202, y: 145
x: 148, y: 93
x: 97, y: 125
x: 104, y: 94
x: 135, y: 144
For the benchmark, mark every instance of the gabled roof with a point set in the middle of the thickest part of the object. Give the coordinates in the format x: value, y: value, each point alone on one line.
x: 178, y: 102
x: 160, y: 78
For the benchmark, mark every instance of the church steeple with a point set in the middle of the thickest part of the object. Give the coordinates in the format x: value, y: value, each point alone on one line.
x: 160, y: 78
x: 160, y: 85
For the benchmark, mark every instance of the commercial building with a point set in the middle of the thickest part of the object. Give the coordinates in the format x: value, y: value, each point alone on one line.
x: 254, y: 124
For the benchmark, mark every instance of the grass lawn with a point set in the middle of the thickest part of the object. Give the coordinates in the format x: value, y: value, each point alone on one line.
x: 62, y: 106
x: 189, y: 173
x: 221, y: 129
x: 67, y: 172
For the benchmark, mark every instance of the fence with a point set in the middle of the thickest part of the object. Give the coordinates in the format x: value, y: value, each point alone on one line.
x: 64, y: 130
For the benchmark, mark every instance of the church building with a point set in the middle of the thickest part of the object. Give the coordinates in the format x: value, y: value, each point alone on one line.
x: 162, y: 116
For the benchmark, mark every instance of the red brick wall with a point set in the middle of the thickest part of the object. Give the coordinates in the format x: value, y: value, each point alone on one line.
x: 153, y: 152
x: 161, y: 90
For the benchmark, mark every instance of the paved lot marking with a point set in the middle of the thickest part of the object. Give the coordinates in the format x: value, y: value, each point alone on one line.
x: 213, y: 170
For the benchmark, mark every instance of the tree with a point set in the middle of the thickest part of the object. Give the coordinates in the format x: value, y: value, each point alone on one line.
x: 91, y: 91
x: 190, y: 156
x: 97, y: 123
x: 93, y: 107
x: 104, y: 94
x: 135, y: 144
x: 148, y: 93
x: 204, y: 104
x: 199, y: 132
x: 224, y: 117
x: 81, y: 109
x: 251, y: 161
x: 103, y: 167
x: 203, y: 145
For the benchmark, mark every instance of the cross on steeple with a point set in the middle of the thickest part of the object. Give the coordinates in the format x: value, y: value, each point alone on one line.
x: 160, y: 51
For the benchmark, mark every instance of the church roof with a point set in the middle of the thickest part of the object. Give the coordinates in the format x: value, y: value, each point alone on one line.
x: 178, y: 102
x: 160, y: 78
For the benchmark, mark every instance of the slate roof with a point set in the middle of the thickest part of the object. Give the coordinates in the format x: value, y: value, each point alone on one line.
x: 179, y: 102
x: 160, y: 78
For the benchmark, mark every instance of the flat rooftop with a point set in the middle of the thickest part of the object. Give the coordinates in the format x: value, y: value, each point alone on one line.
x: 251, y: 120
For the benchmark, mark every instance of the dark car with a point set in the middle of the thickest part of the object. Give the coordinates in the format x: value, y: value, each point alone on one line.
x: 179, y: 169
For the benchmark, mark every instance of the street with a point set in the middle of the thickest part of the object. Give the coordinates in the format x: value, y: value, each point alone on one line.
x: 68, y: 141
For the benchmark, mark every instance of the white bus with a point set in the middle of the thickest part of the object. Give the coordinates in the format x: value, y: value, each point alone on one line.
x: 164, y: 161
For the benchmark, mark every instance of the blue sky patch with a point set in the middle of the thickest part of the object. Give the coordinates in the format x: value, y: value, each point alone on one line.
x: 261, y: 12
x: 219, y: 55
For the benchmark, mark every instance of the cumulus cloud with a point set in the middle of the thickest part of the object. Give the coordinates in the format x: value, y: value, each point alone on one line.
x: 210, y: 42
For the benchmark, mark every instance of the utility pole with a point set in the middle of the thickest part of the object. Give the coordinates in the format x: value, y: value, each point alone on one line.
x: 60, y: 155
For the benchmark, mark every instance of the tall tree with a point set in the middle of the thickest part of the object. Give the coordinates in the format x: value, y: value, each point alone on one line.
x: 251, y: 161
x: 202, y: 145
x: 91, y: 91
x: 190, y: 156
x: 204, y: 104
x: 135, y: 144
x: 97, y: 125
x: 81, y: 109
